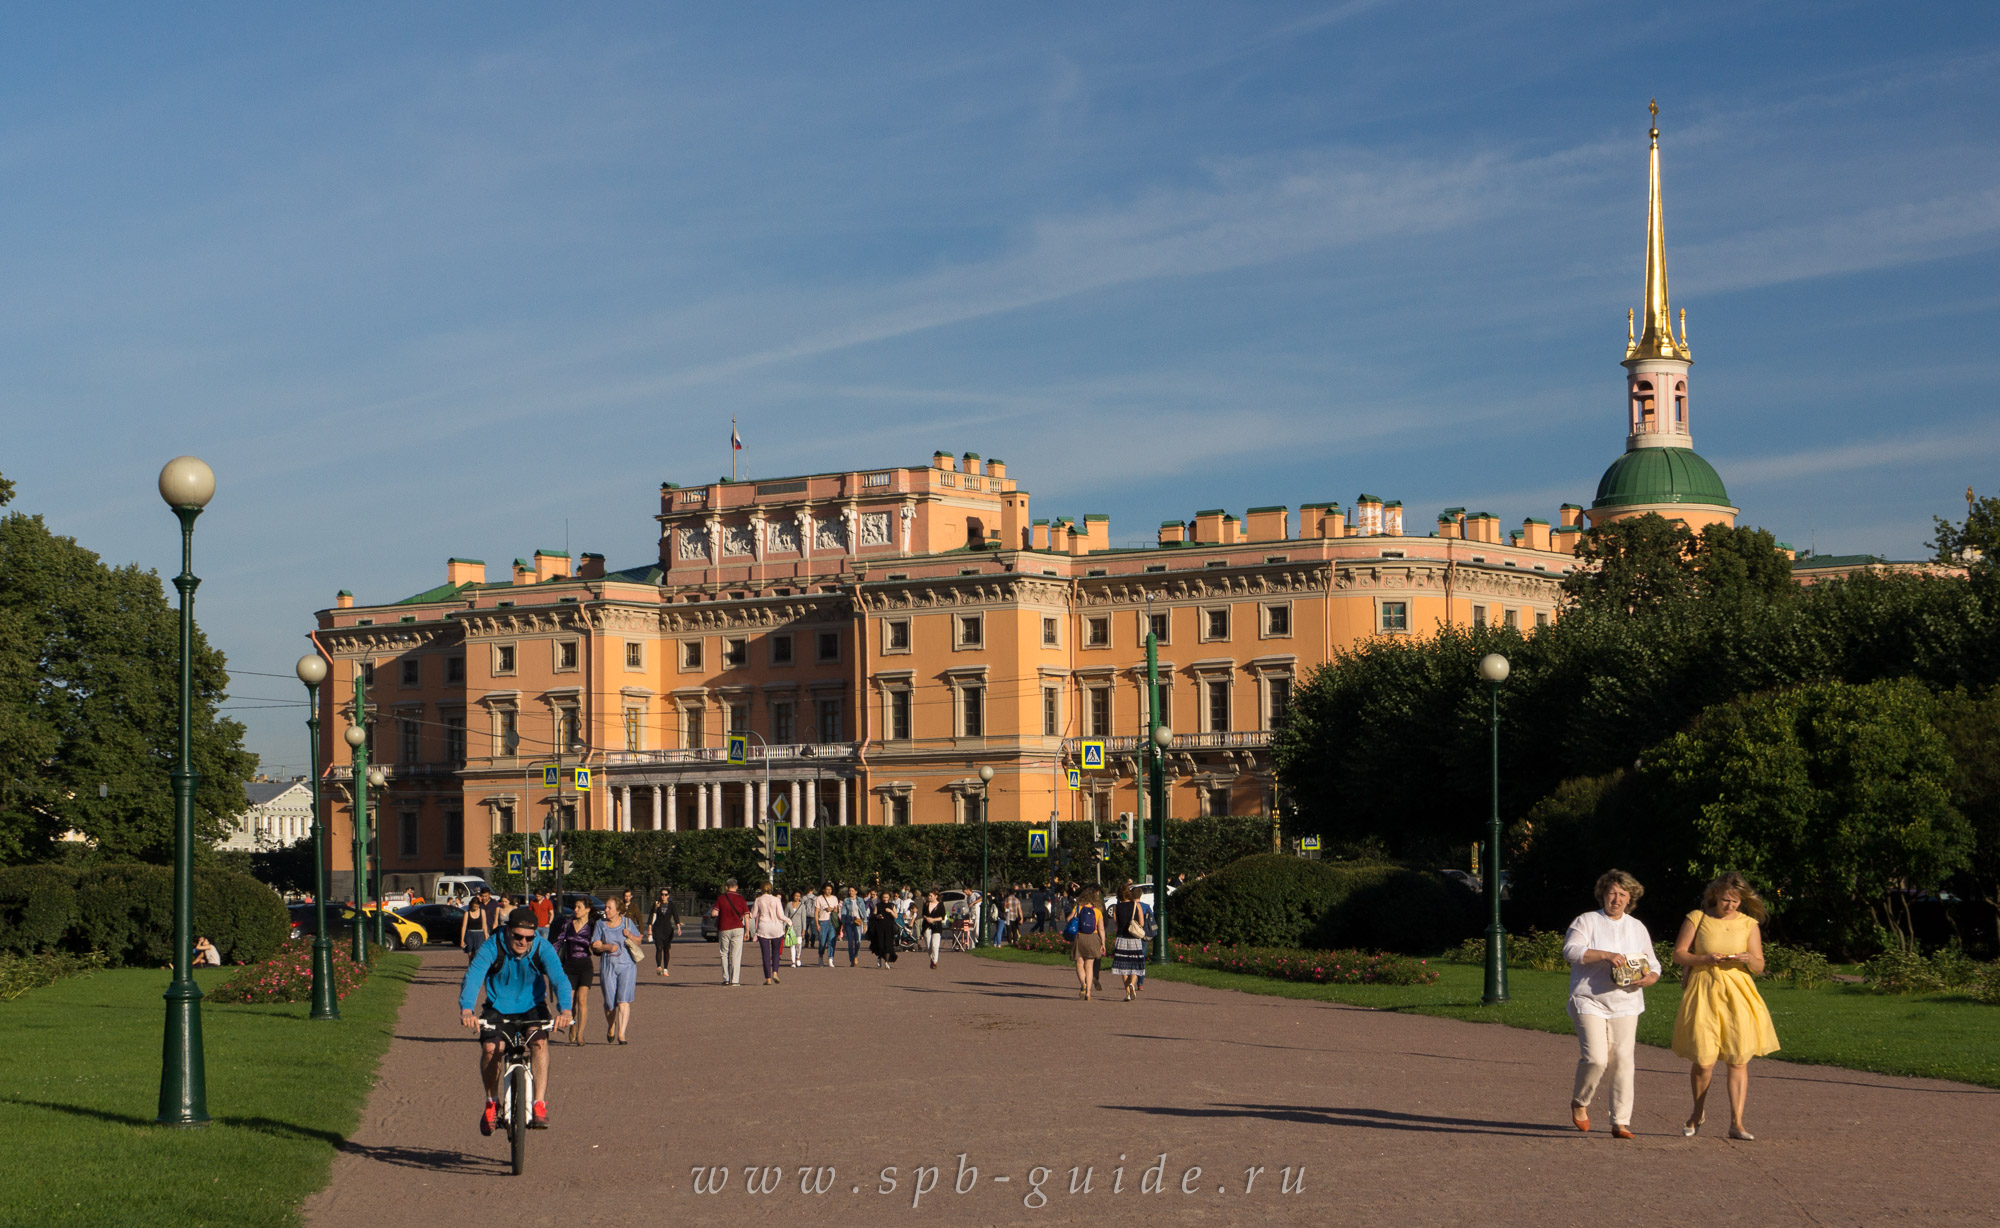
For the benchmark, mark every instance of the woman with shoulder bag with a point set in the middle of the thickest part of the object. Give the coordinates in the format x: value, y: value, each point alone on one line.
x: 666, y: 928
x: 617, y: 940
x: 1128, y: 943
x: 571, y: 939
x: 1085, y: 929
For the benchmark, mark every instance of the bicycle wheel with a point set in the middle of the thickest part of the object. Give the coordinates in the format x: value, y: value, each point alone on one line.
x: 517, y: 1118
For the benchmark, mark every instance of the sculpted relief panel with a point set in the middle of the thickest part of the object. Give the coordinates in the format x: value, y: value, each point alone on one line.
x: 693, y: 544
x: 832, y: 535
x: 875, y: 529
x: 781, y: 538
x: 737, y: 539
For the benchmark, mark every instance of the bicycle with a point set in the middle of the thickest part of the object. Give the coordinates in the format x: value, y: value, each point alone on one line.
x: 517, y: 1097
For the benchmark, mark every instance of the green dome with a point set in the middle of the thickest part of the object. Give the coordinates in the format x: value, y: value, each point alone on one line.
x: 1660, y: 475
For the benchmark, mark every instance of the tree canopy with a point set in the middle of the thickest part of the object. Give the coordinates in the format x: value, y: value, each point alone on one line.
x: 1648, y: 564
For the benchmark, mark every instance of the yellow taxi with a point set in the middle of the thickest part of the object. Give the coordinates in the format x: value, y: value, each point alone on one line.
x: 397, y: 930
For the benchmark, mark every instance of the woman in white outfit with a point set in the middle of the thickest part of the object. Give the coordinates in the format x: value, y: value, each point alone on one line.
x: 1599, y: 946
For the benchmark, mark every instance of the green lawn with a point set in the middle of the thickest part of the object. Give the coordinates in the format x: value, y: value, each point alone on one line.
x: 1939, y: 1036
x: 82, y: 1063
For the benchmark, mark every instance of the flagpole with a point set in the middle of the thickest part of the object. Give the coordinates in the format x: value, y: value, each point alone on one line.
x: 734, y: 448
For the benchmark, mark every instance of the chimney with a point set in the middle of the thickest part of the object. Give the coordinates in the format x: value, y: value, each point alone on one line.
x: 1367, y: 515
x: 1038, y: 535
x: 996, y: 469
x: 551, y: 565
x: 1232, y: 530
x: 1097, y: 533
x: 972, y: 462
x: 1335, y: 524
x: 592, y: 568
x: 1208, y: 526
x: 1447, y: 525
x: 465, y: 571
x: 1571, y: 515
x: 1074, y: 539
x: 1267, y: 524
x: 1535, y: 533
x: 1564, y: 538
x: 523, y: 574
x: 942, y: 460
x: 1172, y: 532
x: 1483, y: 527
x: 1392, y: 518
x: 1013, y: 513
x: 343, y: 600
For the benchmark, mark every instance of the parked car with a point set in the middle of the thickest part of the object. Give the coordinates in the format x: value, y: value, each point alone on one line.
x: 457, y: 888
x: 397, y: 931
x: 441, y: 922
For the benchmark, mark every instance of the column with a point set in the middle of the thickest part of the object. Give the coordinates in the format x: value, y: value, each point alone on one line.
x: 673, y: 803
x: 701, y: 807
x: 624, y: 807
x: 718, y: 812
x: 659, y: 823
x: 799, y: 817
x: 840, y: 800
x: 812, y: 803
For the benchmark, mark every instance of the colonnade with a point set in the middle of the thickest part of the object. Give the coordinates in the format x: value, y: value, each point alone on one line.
x: 712, y: 797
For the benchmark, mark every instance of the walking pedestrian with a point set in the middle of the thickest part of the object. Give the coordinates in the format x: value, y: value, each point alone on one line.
x: 767, y: 921
x: 616, y: 938
x: 545, y: 914
x: 571, y: 939
x: 1010, y: 918
x: 481, y: 919
x: 855, y: 914
x: 1605, y: 949
x: 666, y: 928
x: 1128, y: 939
x: 882, y: 934
x: 934, y: 921
x: 798, y: 918
x: 1722, y: 1017
x: 729, y: 911
x: 826, y: 921
x: 1085, y: 928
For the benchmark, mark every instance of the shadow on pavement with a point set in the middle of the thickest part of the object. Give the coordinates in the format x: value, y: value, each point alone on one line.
x: 1372, y: 1119
x: 430, y: 1159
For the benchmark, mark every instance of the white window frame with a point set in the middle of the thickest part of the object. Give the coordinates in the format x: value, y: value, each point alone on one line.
x: 1264, y: 612
x: 1207, y: 613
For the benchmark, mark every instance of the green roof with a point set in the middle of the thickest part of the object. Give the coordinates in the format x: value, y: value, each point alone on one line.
x: 476, y: 562
x: 1660, y: 475
x: 648, y: 573
x: 443, y: 592
x: 1279, y: 508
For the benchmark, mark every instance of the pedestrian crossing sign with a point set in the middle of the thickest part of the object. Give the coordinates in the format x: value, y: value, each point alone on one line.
x: 781, y: 837
x: 1075, y: 779
x: 1093, y: 755
x: 583, y: 780
x: 1309, y: 844
x: 550, y: 775
x: 1038, y: 842
x: 545, y: 858
x: 781, y: 808
x: 739, y: 749
x: 513, y: 863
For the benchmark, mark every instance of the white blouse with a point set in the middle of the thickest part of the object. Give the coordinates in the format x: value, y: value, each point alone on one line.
x: 1591, y: 989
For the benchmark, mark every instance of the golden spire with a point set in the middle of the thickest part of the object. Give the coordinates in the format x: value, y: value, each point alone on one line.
x: 1656, y: 340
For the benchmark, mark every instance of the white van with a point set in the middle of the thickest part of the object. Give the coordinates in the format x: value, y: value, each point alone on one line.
x: 457, y: 888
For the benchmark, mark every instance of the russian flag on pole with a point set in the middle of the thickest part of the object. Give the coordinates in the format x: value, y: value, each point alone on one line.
x: 735, y: 440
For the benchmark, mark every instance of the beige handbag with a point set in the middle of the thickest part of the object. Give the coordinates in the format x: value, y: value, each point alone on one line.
x: 1635, y: 970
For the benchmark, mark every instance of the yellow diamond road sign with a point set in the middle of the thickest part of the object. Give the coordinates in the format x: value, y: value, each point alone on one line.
x: 781, y: 806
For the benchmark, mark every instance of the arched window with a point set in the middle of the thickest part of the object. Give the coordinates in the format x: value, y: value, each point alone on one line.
x: 1642, y: 402
x: 1681, y: 402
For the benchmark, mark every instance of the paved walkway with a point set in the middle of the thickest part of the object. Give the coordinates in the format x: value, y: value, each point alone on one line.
x: 886, y: 1090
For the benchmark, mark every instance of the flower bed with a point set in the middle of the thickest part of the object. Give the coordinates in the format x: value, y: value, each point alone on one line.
x: 1312, y: 967
x: 1047, y: 941
x: 287, y: 977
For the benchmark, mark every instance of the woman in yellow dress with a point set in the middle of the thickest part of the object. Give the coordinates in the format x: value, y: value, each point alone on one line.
x: 1722, y: 1016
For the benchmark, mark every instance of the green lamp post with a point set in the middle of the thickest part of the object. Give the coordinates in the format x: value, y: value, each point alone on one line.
x: 1494, y: 668
x: 1162, y: 738
x: 985, y: 878
x: 325, y: 1002
x: 187, y: 484
x: 357, y: 738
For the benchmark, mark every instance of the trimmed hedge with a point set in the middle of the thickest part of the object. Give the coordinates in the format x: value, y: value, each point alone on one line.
x: 942, y: 854
x: 127, y: 912
x: 1272, y: 900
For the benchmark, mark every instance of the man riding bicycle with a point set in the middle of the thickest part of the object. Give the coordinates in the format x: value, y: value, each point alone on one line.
x: 516, y: 968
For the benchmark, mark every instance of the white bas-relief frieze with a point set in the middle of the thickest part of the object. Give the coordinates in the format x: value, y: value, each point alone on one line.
x: 831, y: 535
x: 875, y: 529
x: 693, y: 544
x: 781, y: 538
x: 738, y: 539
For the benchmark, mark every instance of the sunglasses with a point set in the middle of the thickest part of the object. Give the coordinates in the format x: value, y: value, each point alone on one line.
x: 520, y: 938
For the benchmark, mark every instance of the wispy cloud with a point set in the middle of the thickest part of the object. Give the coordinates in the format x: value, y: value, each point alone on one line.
x: 1978, y: 445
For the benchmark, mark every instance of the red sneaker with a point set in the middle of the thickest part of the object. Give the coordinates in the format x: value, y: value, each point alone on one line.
x: 540, y: 1120
x: 487, y: 1118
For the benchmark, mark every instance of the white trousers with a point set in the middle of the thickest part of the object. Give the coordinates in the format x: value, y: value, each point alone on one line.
x: 1607, y: 1042
x: 730, y: 944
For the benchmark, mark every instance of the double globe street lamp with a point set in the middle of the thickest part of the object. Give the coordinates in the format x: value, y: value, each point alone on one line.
x: 364, y: 776
x: 325, y: 1002
x: 985, y: 840
x: 1494, y: 669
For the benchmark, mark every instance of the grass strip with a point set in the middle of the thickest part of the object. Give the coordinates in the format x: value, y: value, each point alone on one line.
x: 82, y: 1060
x: 1932, y: 1036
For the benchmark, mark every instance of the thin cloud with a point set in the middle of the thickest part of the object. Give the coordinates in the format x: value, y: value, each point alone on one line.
x: 1978, y: 445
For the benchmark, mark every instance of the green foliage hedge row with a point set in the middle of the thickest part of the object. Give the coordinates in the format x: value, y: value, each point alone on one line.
x: 944, y: 855
x: 21, y: 973
x: 1272, y: 900
x: 127, y: 913
x: 1311, y: 967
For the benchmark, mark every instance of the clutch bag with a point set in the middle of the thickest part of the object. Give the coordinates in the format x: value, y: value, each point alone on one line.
x: 1634, y: 971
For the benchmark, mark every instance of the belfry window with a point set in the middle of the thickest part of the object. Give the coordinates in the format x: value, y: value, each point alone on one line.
x: 1642, y: 402
x: 1681, y: 402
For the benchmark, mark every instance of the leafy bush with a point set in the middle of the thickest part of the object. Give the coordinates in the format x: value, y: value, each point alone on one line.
x: 287, y: 977
x: 127, y: 913
x: 21, y: 973
x: 1279, y: 901
x: 1801, y: 967
x: 1985, y: 986
x: 1311, y: 967
x: 1045, y: 941
x: 1899, y: 970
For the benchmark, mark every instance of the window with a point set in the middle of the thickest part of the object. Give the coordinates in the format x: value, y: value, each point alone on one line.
x: 1277, y: 621
x: 1166, y: 704
x: 635, y: 723
x: 368, y: 673
x: 781, y: 650
x: 454, y: 738
x: 829, y: 649
x: 830, y: 721
x: 1051, y: 712
x: 1511, y: 620
x: 896, y: 810
x: 635, y: 655
x: 899, y: 715
x: 1218, y: 800
x: 566, y: 654
x: 739, y: 718
x: 503, y: 658
x: 972, y: 711
x: 896, y: 635
x: 1215, y: 624
x: 1280, y: 693
x: 503, y: 818
x: 569, y: 729
x: 1157, y: 624
x: 406, y: 834
x: 1478, y: 617
x: 690, y: 654
x: 1541, y: 618
x: 694, y: 728
x: 735, y: 653
x: 406, y: 729
x: 1395, y: 616
x: 1218, y: 707
x: 1097, y: 631
x: 454, y: 669
x: 410, y: 673
x: 454, y: 833
x: 781, y: 721
x: 1050, y: 637
x: 509, y: 732
x: 1098, y: 707
x: 971, y: 630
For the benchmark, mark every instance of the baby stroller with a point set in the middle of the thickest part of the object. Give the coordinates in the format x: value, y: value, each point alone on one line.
x: 906, y: 938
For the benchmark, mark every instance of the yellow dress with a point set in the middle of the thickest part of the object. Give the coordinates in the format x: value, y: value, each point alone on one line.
x: 1722, y: 1016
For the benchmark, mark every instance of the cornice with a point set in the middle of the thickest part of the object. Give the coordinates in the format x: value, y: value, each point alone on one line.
x: 1204, y: 585
x: 353, y: 641
x: 966, y: 592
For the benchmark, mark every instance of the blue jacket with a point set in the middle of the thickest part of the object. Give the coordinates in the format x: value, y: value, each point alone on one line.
x: 515, y: 984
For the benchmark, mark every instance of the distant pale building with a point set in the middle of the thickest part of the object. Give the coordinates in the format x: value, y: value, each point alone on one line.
x: 275, y: 813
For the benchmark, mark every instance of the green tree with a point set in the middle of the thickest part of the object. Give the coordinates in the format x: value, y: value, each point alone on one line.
x: 1648, y: 564
x: 1837, y: 797
x: 89, y: 663
x: 1973, y: 543
x: 1971, y: 727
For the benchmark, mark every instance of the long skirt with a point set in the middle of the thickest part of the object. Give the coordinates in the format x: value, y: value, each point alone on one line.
x: 1128, y: 955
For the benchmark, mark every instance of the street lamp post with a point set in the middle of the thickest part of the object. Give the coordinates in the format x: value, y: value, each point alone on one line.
x: 357, y: 738
x: 325, y: 1002
x: 1494, y: 668
x: 1162, y: 738
x: 377, y: 779
x: 187, y: 484
x: 985, y: 877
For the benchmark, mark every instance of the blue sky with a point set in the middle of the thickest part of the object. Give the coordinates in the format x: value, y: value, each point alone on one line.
x: 422, y: 281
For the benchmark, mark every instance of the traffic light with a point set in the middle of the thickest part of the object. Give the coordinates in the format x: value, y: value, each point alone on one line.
x: 767, y: 852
